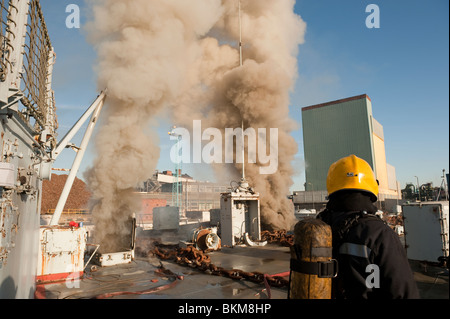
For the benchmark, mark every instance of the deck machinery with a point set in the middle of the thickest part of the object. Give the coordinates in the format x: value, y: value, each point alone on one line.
x: 240, y: 220
x: 240, y: 216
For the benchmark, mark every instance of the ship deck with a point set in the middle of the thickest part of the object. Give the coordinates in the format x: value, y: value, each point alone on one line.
x: 144, y: 278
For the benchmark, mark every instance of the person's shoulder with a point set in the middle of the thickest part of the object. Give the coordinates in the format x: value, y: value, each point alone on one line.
x: 373, y: 223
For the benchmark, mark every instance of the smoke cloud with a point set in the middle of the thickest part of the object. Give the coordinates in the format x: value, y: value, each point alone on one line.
x: 183, y: 55
x: 144, y: 51
x: 223, y: 94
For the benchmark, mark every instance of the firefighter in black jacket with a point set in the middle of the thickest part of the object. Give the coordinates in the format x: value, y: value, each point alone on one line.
x: 372, y: 261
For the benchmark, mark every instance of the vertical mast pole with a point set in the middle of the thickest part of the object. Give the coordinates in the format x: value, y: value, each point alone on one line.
x: 240, y: 63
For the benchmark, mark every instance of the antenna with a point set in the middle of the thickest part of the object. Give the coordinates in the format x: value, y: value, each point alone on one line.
x: 243, y: 152
x: 240, y: 35
x: 240, y: 63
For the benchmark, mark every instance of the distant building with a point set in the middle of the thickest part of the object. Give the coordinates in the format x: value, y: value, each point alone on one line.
x: 145, y: 216
x: 339, y: 128
x: 195, y: 195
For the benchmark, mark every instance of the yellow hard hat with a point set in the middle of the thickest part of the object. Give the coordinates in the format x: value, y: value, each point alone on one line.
x: 352, y: 173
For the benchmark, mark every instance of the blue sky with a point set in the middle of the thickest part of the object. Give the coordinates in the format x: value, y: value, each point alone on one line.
x: 403, y: 66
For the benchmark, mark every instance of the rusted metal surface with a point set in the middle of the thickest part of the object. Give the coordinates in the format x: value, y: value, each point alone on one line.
x: 279, y: 236
x: 206, y: 238
x: 195, y: 258
x: 310, y: 234
x: 61, y: 253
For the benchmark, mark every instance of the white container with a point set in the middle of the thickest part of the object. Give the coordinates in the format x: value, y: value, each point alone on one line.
x: 166, y: 218
x: 112, y: 259
x: 125, y: 256
x: 426, y: 230
x: 239, y: 214
x: 61, y: 253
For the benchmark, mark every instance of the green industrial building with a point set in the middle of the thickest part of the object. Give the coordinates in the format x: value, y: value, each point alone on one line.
x: 337, y: 129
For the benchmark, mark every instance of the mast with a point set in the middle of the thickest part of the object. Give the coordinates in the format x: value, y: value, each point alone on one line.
x: 240, y: 35
x: 240, y: 64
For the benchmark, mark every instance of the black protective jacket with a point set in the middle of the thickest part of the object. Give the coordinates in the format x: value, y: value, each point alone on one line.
x: 362, y: 244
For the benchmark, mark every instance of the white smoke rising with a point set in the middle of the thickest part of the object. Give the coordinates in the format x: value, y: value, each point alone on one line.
x: 154, y: 54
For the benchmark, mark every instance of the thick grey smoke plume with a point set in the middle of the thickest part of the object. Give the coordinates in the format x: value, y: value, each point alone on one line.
x: 223, y: 94
x: 154, y: 54
x: 145, y: 48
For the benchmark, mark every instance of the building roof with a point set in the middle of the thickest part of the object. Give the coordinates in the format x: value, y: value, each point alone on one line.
x: 358, y: 97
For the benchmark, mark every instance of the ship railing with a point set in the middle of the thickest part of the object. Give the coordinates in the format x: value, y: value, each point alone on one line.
x: 69, y: 211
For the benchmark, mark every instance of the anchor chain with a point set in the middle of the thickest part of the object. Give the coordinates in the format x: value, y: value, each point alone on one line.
x: 195, y: 258
x: 279, y: 236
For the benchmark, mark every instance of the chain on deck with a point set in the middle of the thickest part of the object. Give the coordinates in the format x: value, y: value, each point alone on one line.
x: 200, y: 260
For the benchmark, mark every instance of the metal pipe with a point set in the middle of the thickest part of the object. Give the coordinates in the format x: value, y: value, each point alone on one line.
x: 445, y: 184
x: 240, y: 64
x: 418, y: 187
x: 76, y: 163
x: 243, y: 153
x: 91, y: 255
x: 240, y: 35
x: 50, y: 123
x: 66, y: 139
